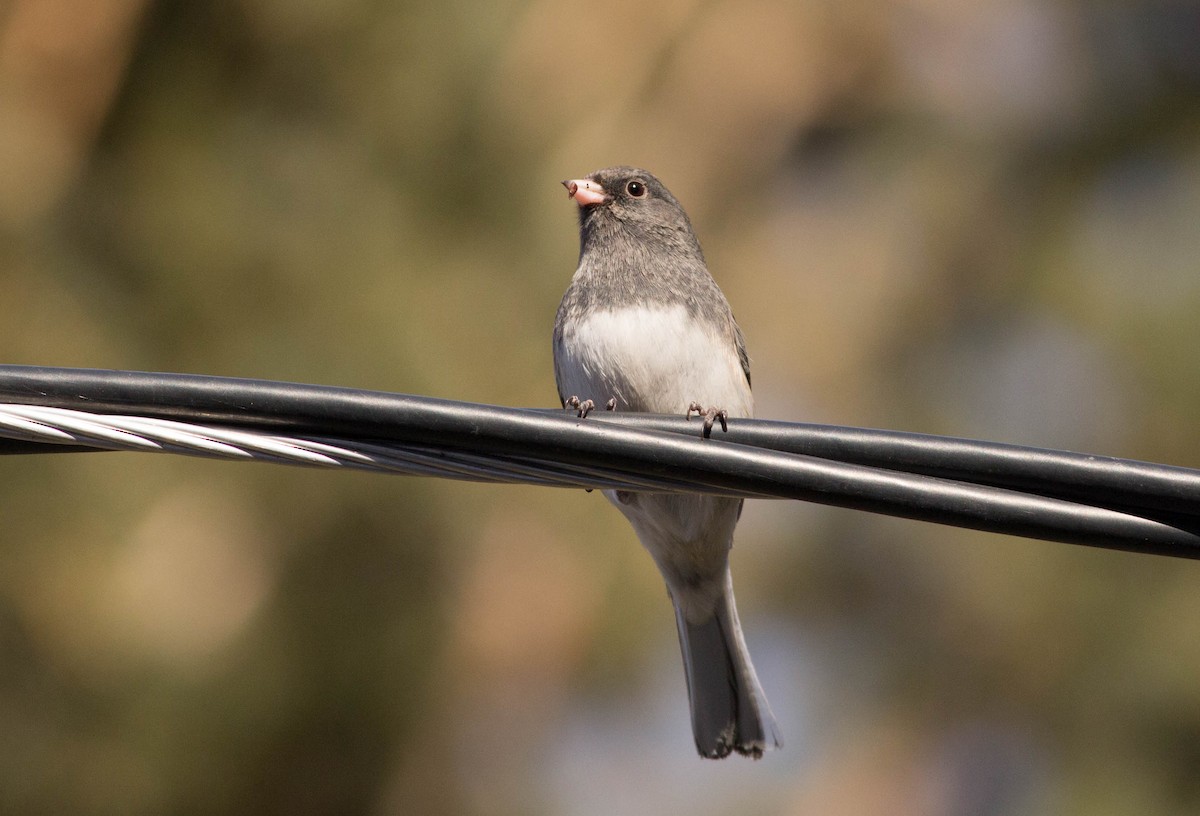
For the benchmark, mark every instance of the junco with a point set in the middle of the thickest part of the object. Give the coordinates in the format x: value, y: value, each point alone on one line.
x: 644, y: 327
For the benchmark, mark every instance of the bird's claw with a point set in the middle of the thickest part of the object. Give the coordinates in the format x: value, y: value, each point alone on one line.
x: 711, y: 417
x: 584, y: 407
x: 581, y: 407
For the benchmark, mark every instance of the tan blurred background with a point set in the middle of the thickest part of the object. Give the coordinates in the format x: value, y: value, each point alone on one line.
x: 970, y: 219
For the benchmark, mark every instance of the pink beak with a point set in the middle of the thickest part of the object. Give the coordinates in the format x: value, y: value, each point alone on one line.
x: 587, y: 193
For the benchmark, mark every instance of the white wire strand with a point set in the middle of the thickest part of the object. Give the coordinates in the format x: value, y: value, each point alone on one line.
x: 119, y: 432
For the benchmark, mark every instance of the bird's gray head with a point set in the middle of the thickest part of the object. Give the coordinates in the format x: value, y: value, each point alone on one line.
x: 625, y: 202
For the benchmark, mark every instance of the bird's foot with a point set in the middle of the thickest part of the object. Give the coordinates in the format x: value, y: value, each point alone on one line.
x: 581, y: 407
x: 584, y: 407
x: 711, y: 416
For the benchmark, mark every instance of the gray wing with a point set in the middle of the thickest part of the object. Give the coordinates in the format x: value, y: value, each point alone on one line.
x: 743, y: 355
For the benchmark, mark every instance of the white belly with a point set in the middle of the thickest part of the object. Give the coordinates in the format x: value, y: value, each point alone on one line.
x: 651, y: 358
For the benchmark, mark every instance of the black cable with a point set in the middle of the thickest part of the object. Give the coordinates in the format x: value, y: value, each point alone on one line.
x: 1167, y: 493
x: 886, y: 472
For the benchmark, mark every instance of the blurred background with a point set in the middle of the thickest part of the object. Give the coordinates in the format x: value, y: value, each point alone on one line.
x: 980, y: 220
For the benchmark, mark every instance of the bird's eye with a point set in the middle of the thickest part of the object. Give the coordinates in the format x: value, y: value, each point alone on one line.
x: 636, y: 189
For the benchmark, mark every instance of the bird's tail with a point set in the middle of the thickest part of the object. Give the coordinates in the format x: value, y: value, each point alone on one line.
x: 729, y: 710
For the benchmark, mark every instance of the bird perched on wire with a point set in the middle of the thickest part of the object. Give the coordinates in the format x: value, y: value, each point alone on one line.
x: 644, y: 327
